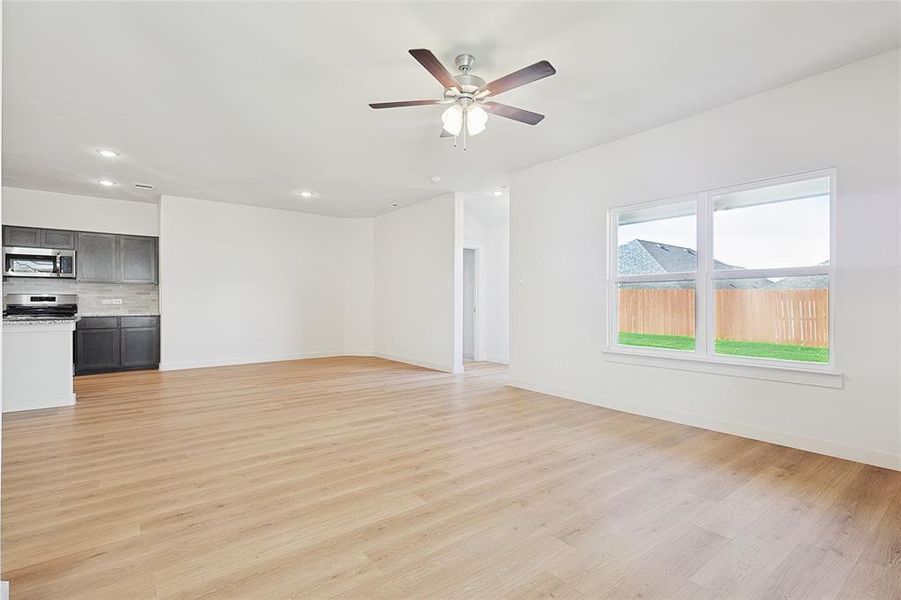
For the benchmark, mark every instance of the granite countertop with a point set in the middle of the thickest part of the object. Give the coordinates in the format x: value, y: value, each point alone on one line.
x: 24, y: 320
x: 37, y: 321
x: 83, y: 315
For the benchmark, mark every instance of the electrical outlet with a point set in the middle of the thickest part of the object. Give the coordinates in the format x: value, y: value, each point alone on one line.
x: 111, y: 301
x: 565, y: 366
x: 117, y: 300
x: 259, y: 335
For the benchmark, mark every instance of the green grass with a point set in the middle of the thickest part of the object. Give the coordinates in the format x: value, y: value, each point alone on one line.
x: 817, y: 354
x: 672, y: 342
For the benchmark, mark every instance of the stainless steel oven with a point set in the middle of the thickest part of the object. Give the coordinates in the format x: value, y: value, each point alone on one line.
x: 38, y: 262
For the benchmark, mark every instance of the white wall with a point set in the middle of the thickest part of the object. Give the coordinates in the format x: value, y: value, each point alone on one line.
x: 243, y: 284
x: 359, y: 286
x: 493, y: 239
x: 847, y: 119
x: 415, y: 262
x: 36, y: 208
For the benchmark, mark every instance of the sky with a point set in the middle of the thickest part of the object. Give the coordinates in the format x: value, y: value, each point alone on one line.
x: 792, y: 233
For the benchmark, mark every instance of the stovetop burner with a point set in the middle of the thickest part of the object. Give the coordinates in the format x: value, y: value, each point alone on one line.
x: 40, y: 306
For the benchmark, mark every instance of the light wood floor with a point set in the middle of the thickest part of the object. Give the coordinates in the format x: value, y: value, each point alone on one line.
x: 360, y: 478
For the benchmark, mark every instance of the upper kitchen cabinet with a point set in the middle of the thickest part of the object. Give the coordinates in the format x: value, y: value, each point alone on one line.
x: 137, y: 259
x: 25, y: 237
x: 98, y: 257
x: 32, y: 237
x: 54, y: 238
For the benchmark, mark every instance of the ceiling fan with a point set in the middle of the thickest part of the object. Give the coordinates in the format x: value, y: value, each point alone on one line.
x: 468, y: 94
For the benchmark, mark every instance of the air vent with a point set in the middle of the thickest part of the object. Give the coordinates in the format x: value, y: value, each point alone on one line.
x: 143, y: 186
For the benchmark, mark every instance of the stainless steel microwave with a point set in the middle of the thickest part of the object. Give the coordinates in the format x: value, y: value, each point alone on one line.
x: 38, y: 262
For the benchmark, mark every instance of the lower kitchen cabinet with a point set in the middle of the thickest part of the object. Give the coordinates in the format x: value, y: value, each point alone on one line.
x: 96, y: 350
x: 140, y: 347
x: 106, y: 344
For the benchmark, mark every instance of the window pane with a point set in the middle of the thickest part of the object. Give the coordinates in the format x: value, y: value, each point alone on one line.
x: 784, y: 225
x: 657, y: 315
x: 662, y: 239
x: 785, y: 318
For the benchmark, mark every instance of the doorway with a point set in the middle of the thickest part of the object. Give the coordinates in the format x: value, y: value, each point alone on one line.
x: 470, y: 303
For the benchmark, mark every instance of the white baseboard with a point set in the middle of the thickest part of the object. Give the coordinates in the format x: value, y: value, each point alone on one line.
x: 862, y: 455
x: 245, y: 360
x: 416, y: 362
x: 12, y: 405
x: 498, y: 359
x: 4, y: 590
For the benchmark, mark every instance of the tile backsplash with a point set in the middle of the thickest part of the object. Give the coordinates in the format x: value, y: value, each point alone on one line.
x: 137, y: 299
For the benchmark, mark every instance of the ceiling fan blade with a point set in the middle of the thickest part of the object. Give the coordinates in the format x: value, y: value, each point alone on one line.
x: 511, y: 112
x: 405, y: 103
x: 434, y: 66
x: 539, y: 70
x: 445, y: 134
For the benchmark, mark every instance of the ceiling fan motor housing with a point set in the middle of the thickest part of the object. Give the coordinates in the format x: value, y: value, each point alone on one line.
x: 464, y: 62
x: 469, y: 84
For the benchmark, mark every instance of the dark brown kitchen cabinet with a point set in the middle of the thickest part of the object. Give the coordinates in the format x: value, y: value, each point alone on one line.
x: 139, y: 347
x: 96, y: 350
x: 23, y: 237
x: 106, y: 344
x: 137, y: 259
x: 97, y: 259
x: 55, y: 238
x: 32, y: 237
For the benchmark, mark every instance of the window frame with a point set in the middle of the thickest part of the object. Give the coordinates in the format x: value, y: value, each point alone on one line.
x: 705, y: 277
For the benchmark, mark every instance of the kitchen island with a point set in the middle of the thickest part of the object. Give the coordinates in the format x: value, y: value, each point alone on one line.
x: 37, y: 363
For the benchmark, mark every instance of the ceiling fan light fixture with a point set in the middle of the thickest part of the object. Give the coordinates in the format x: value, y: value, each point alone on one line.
x: 452, y: 119
x: 476, y: 119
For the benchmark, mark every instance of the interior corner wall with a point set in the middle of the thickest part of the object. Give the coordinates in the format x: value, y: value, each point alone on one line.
x: 847, y: 119
x: 243, y: 284
x: 359, y: 286
x: 458, y: 282
x: 415, y: 257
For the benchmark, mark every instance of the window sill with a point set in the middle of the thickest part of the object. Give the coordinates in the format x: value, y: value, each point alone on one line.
x: 785, y: 374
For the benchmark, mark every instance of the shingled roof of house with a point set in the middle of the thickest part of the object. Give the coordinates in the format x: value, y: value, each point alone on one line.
x: 644, y: 257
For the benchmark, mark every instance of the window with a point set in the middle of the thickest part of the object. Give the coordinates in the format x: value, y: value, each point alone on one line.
x: 732, y: 275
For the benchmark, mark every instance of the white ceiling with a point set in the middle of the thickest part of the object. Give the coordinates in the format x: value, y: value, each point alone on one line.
x: 249, y: 102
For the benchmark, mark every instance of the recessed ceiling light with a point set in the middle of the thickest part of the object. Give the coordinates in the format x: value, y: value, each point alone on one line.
x: 106, y: 182
x: 107, y: 153
x: 498, y: 191
x: 306, y: 194
x: 395, y: 205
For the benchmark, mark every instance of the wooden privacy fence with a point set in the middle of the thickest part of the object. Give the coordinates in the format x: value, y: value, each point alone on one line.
x: 799, y: 317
